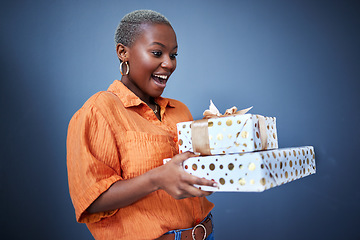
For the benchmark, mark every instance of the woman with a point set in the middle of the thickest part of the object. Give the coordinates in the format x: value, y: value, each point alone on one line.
x: 117, y: 142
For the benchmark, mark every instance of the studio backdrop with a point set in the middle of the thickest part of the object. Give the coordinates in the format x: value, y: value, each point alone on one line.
x: 297, y: 61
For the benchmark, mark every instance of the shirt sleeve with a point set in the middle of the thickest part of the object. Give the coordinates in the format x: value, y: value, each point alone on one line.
x: 93, y: 161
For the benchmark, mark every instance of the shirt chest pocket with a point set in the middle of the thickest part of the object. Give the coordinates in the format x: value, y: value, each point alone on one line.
x: 142, y: 152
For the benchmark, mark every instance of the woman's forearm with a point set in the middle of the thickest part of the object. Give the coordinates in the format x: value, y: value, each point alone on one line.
x: 169, y: 177
x: 123, y: 193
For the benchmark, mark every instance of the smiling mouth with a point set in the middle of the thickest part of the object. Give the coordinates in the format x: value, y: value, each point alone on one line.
x: 160, y: 80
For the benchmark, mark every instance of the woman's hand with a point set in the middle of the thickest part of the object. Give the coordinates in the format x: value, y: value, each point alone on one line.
x: 172, y: 178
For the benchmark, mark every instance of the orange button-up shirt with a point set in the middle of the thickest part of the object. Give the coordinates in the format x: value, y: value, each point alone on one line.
x: 115, y: 136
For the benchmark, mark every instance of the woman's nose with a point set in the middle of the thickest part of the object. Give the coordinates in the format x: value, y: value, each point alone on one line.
x: 169, y: 63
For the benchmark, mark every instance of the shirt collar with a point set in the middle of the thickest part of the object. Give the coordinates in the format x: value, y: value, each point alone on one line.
x: 129, y: 98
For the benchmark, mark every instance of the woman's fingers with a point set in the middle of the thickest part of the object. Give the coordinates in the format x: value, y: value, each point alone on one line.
x: 188, y: 190
x: 180, y: 158
x: 191, y: 180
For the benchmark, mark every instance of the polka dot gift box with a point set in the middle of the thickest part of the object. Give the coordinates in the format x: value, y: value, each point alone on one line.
x: 253, y: 172
x: 233, y: 132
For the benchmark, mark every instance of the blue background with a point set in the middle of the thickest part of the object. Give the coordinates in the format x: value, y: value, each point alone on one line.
x: 295, y: 60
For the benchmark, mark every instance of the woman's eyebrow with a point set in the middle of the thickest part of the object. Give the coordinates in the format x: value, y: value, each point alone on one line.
x: 160, y: 44
x: 157, y: 43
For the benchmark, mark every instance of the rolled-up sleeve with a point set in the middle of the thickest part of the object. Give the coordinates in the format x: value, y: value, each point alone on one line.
x: 93, y: 161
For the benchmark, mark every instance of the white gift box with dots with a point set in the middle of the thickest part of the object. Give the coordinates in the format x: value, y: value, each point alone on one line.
x: 253, y: 172
x: 233, y: 134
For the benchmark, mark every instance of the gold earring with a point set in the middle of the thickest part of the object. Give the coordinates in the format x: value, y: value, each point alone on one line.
x: 127, y: 68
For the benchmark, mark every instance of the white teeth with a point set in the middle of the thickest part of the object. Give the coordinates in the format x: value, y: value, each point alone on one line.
x: 161, y: 76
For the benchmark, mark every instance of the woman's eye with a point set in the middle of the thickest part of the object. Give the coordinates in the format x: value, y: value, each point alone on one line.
x: 173, y: 56
x: 157, y: 53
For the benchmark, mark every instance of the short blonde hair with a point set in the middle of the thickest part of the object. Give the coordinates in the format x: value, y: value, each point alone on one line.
x: 130, y: 26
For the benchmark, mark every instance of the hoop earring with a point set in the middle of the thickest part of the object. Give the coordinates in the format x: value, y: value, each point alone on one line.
x: 127, y: 68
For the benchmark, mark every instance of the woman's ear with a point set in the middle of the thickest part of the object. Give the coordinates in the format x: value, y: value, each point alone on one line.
x: 122, y: 52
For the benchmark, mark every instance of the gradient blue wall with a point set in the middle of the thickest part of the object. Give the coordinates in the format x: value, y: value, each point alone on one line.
x: 295, y: 60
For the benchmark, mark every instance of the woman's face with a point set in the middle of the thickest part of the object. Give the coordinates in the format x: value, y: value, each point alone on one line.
x: 151, y: 59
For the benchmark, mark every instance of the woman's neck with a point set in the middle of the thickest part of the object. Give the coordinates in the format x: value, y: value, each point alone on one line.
x: 132, y: 87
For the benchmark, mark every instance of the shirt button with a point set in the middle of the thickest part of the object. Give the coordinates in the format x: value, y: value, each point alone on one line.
x: 175, y: 139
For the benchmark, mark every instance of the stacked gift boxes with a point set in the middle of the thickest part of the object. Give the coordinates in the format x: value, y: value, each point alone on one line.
x: 242, y: 153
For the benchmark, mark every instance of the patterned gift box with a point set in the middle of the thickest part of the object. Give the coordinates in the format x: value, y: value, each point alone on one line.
x: 232, y: 134
x: 253, y: 172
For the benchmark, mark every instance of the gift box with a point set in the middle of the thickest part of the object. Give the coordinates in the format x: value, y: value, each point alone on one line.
x: 233, y: 132
x: 225, y: 135
x: 253, y: 172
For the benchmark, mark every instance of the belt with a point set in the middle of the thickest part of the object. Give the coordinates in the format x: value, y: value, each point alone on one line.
x: 199, y: 232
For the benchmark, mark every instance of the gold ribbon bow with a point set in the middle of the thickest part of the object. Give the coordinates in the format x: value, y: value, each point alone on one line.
x: 213, y: 112
x: 200, y: 133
